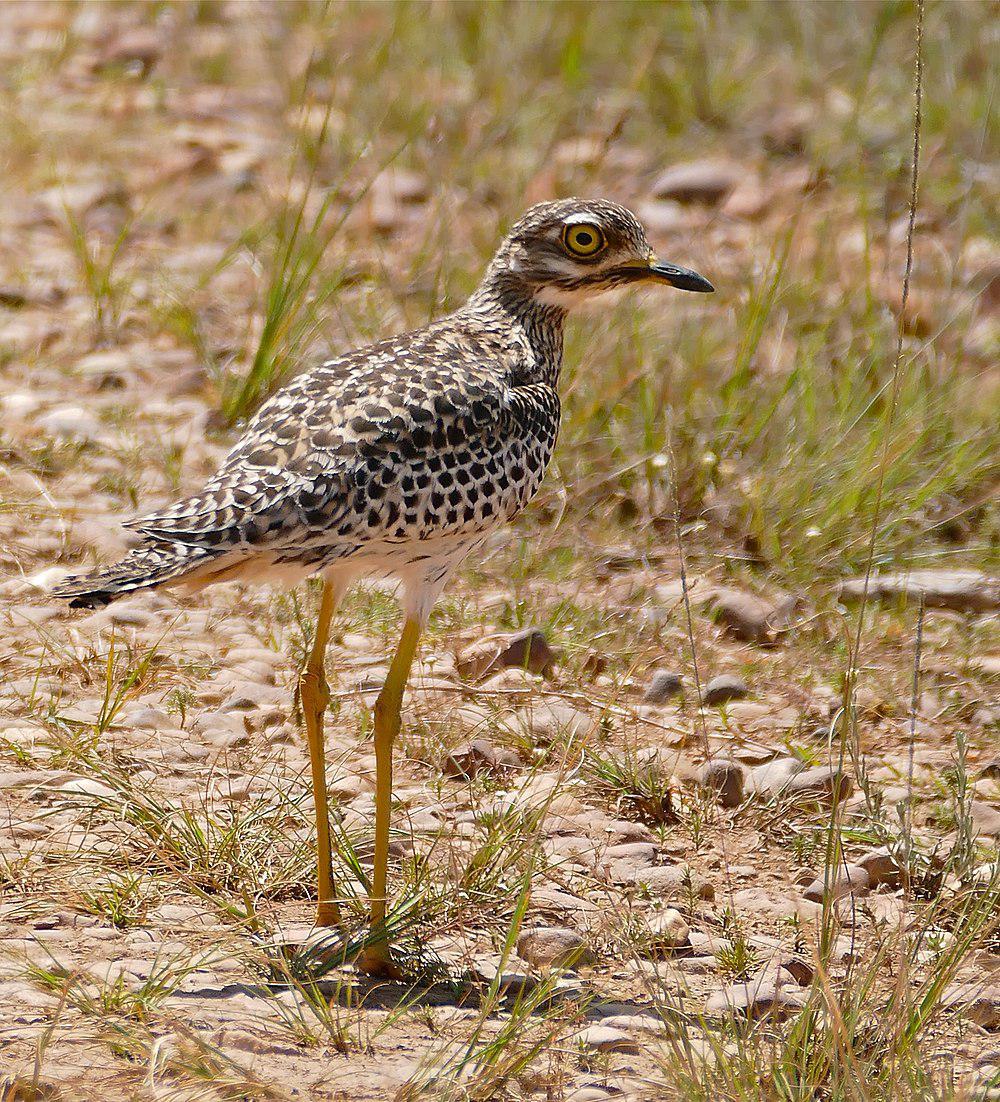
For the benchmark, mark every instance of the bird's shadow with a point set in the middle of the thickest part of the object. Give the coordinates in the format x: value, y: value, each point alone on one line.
x: 321, y: 969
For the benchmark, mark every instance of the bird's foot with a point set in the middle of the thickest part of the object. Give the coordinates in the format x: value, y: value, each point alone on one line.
x: 379, y: 962
x: 329, y: 916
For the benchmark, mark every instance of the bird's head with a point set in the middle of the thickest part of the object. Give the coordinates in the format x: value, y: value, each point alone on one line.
x: 562, y: 253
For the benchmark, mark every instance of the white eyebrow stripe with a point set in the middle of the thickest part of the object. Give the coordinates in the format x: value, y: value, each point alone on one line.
x: 582, y: 218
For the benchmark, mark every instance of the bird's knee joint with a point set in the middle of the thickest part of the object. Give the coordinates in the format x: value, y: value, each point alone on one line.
x: 386, y: 714
x: 314, y: 686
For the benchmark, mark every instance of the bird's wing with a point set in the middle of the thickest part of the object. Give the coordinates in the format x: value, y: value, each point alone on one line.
x: 342, y: 429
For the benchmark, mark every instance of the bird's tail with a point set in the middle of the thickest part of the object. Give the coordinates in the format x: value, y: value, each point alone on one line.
x: 152, y: 564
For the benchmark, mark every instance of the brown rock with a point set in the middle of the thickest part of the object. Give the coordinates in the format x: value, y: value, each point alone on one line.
x: 526, y: 649
x: 698, y: 182
x: 674, y: 882
x: 847, y: 880
x: 548, y: 720
x: 821, y: 783
x: 985, y: 817
x: 960, y: 590
x: 480, y: 755
x: 726, y: 778
x: 723, y: 688
x: 553, y: 947
x: 135, y: 47
x: 662, y: 686
x: 979, y: 1002
x: 766, y: 994
x: 749, y: 618
x: 601, y: 1038
x: 667, y: 931
x: 881, y: 866
x: 663, y: 217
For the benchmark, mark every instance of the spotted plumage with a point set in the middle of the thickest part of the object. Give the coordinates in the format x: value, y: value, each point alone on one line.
x: 399, y: 459
x: 402, y: 457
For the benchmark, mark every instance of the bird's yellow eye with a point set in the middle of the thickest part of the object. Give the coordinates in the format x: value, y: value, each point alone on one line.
x: 583, y: 239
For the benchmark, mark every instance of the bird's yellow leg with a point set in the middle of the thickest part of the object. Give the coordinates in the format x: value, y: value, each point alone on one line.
x: 376, y: 957
x: 314, y: 693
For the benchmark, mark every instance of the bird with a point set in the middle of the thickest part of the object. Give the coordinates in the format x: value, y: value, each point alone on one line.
x: 397, y: 460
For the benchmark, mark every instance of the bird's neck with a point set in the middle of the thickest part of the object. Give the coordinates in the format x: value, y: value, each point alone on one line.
x: 508, y: 303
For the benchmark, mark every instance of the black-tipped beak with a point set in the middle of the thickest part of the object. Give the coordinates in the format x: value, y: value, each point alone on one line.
x: 682, y: 278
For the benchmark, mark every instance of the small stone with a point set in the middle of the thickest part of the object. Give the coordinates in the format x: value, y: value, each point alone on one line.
x: 602, y: 1038
x: 674, y: 882
x: 698, y: 182
x: 991, y: 770
x: 480, y: 755
x: 662, y: 686
x: 978, y: 1002
x: 624, y: 830
x: 70, y: 423
x: 137, y: 48
x: 985, y: 817
x: 526, y: 650
x: 592, y: 1094
x: 749, y: 618
x: 148, y: 719
x: 663, y: 216
x: 772, y: 777
x: 822, y: 783
x: 87, y: 786
x: 640, y: 854
x: 726, y: 778
x: 764, y: 995
x: 562, y: 904
x: 668, y: 931
x: 636, y: 1023
x: 723, y: 688
x: 547, y: 721
x: 553, y: 947
x: 847, y: 880
x: 881, y: 866
x: 960, y: 590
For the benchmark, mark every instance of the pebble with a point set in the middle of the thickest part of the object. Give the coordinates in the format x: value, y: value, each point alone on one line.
x: 985, y: 817
x: 881, y: 866
x: 764, y: 995
x: 86, y: 786
x: 960, y: 590
x: 148, y: 719
x: 749, y: 618
x: 549, y: 720
x: 772, y: 777
x: 662, y: 686
x: 726, y: 778
x: 674, y: 881
x: 480, y: 755
x: 592, y: 1094
x: 625, y: 830
x: 602, y: 1038
x: 667, y: 931
x: 847, y: 880
x: 553, y: 947
x: 523, y: 650
x: 70, y: 423
x: 822, y: 783
x: 723, y: 688
x: 704, y: 181
x: 636, y: 1023
x: 978, y: 1002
